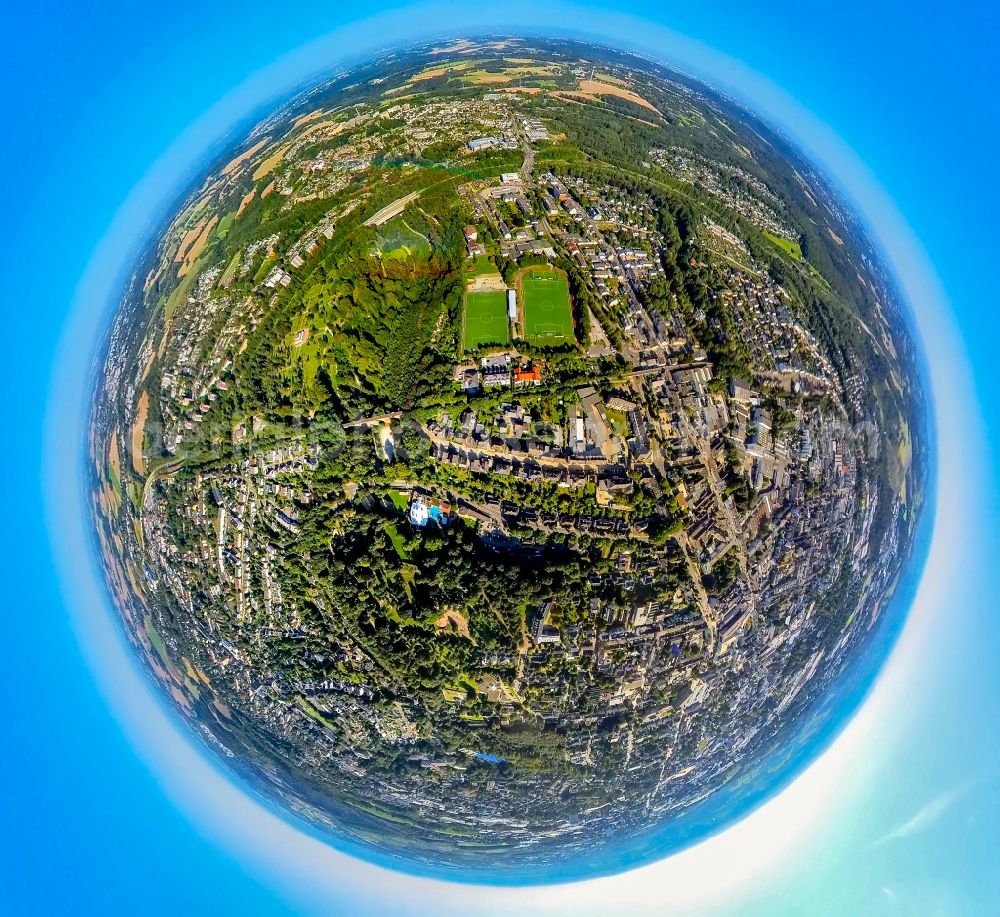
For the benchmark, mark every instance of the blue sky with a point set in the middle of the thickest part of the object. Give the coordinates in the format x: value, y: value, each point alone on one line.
x: 103, y: 810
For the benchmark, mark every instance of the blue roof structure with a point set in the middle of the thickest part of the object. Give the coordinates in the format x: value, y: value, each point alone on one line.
x: 418, y: 513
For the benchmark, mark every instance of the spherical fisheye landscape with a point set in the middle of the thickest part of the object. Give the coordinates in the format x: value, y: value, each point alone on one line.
x: 505, y: 455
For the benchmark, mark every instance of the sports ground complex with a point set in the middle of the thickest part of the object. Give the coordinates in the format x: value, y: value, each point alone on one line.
x: 546, y: 316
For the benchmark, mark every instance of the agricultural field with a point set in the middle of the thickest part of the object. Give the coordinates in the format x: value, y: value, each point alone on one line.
x: 480, y: 77
x: 231, y: 268
x: 548, y: 317
x: 485, y: 319
x: 597, y: 89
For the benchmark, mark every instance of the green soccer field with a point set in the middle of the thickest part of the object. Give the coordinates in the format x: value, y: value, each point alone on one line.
x: 485, y: 319
x: 548, y: 317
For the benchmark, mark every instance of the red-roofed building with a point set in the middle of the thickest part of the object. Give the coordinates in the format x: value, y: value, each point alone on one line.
x: 532, y: 376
